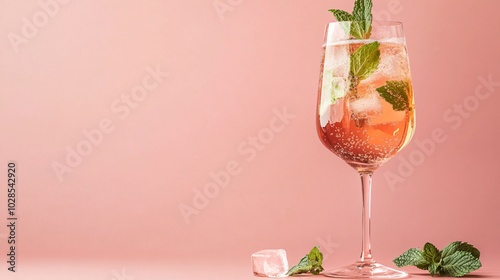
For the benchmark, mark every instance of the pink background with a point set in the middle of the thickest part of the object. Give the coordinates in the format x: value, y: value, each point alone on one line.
x: 229, y: 72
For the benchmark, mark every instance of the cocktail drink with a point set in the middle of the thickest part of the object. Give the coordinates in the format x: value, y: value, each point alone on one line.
x: 365, y: 112
x: 356, y: 122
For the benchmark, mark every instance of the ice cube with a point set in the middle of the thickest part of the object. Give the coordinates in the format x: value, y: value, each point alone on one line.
x: 390, y: 117
x: 270, y: 263
x: 393, y: 64
x: 367, y: 105
x: 332, y: 89
x: 337, y: 59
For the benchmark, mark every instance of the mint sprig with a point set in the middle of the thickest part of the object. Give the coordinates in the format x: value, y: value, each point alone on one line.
x: 455, y: 260
x: 341, y: 15
x: 365, y: 61
x: 396, y: 93
x: 309, y: 263
x: 361, y: 18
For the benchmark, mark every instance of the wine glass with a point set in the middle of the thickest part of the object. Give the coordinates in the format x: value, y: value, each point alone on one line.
x: 365, y: 113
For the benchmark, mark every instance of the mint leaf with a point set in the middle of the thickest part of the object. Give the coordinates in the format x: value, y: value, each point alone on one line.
x: 341, y: 15
x: 411, y: 257
x: 311, y: 262
x: 457, y: 259
x: 358, y: 29
x: 350, y: 27
x: 460, y: 263
x: 459, y: 246
x: 365, y: 61
x: 362, y: 14
x: 396, y: 94
x: 361, y: 19
x: 431, y: 254
x: 363, y: 10
x: 302, y: 267
x: 315, y: 259
x: 434, y: 268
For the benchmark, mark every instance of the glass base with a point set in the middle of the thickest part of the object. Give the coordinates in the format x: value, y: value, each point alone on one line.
x: 367, y: 270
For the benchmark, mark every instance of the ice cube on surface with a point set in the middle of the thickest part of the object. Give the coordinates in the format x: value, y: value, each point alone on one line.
x: 270, y: 263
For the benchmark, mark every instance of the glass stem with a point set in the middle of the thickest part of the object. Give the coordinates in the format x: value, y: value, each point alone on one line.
x: 366, y: 184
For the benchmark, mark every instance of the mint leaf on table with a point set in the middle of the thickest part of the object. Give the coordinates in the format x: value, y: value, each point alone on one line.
x: 455, y: 260
x: 302, y: 267
x: 365, y: 61
x: 309, y: 263
x: 412, y: 257
x: 432, y: 256
x: 315, y: 258
x: 361, y: 18
x: 460, y: 246
x: 396, y: 94
x: 460, y: 263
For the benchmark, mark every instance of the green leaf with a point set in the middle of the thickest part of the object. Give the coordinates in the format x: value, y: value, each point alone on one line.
x: 361, y: 19
x: 358, y: 29
x: 457, y: 259
x: 302, y: 267
x: 362, y: 14
x: 341, y: 15
x: 424, y: 265
x: 460, y: 263
x: 460, y: 246
x: 365, y: 60
x: 315, y: 259
x: 311, y: 262
x: 396, y: 94
x: 347, y: 24
x: 434, y: 268
x: 411, y: 257
x: 362, y: 10
x: 315, y: 256
x: 431, y: 254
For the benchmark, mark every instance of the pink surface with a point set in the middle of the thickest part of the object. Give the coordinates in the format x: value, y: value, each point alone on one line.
x: 194, y: 270
x: 121, y: 113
